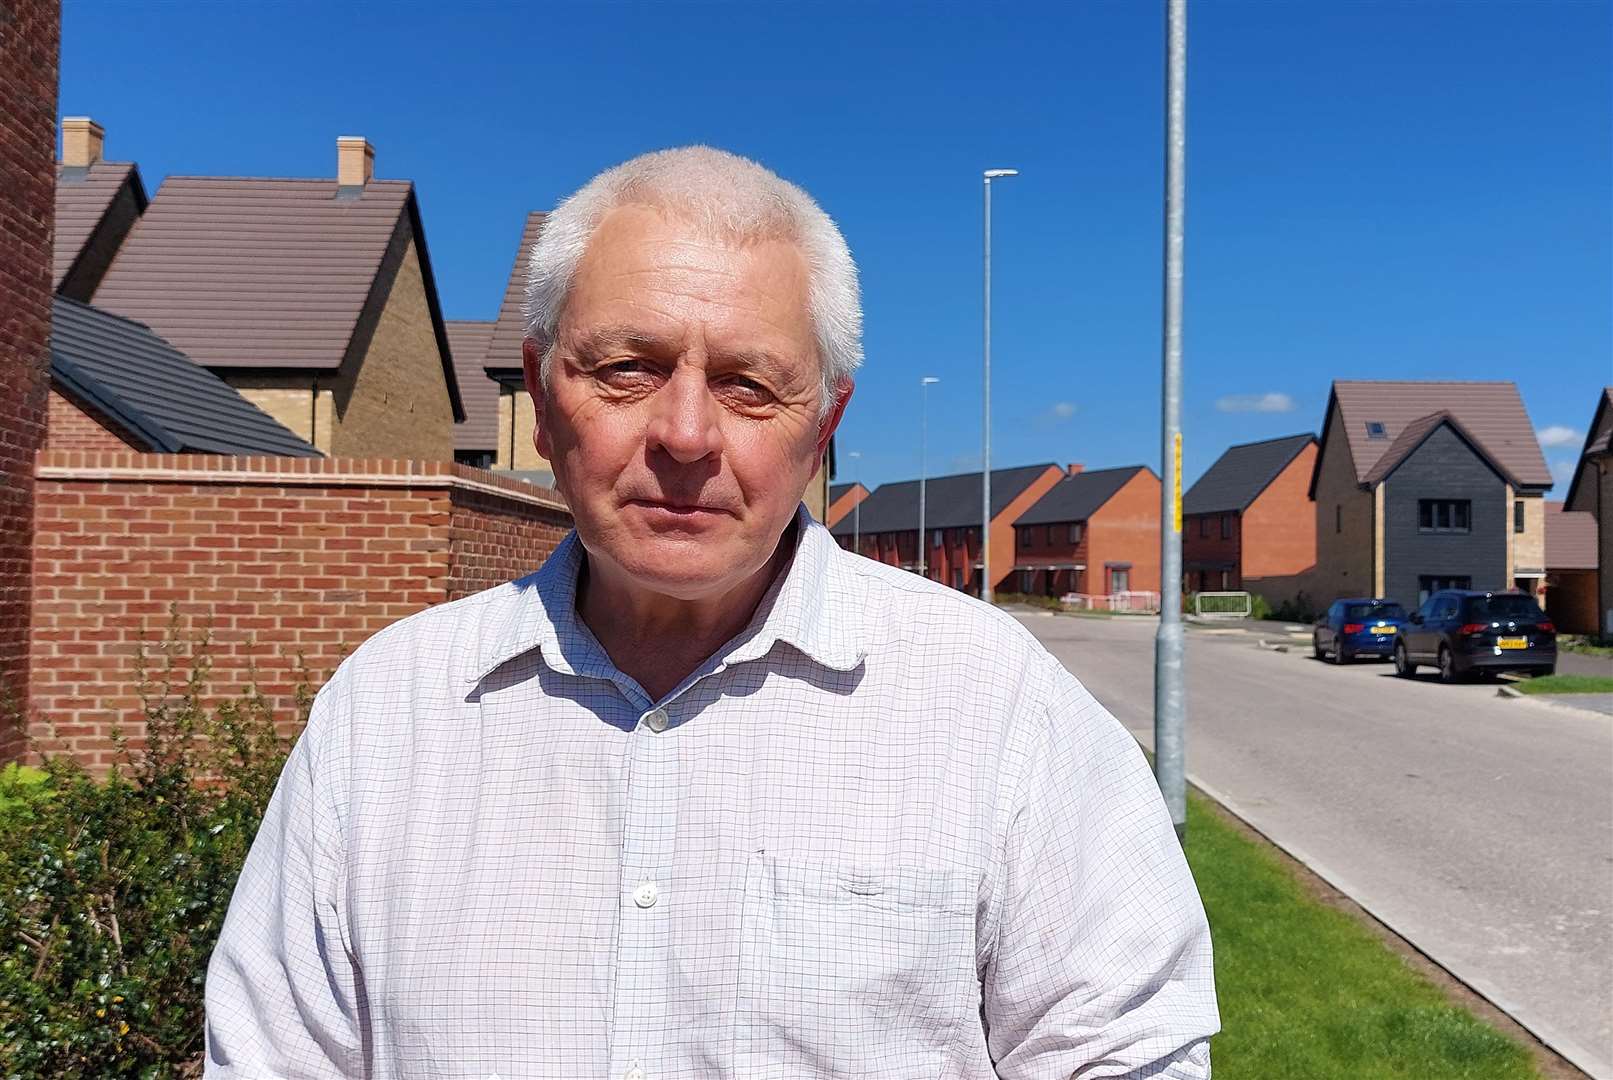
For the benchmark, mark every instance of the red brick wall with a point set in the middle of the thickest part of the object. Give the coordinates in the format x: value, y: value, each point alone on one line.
x: 75, y: 428
x: 1202, y: 542
x: 843, y: 506
x: 1126, y: 529
x: 30, y: 32
x: 276, y: 557
x: 1049, y: 545
x: 1279, y: 547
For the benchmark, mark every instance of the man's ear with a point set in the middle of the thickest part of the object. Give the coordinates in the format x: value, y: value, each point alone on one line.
x: 532, y: 375
x: 826, y: 429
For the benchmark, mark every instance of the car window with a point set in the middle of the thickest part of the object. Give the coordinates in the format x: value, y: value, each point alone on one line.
x: 1357, y: 612
x: 1504, y: 606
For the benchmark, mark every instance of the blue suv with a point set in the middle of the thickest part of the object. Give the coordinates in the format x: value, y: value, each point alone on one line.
x: 1359, y: 626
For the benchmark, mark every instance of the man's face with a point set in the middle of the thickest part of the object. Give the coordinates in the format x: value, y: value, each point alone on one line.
x: 681, y: 415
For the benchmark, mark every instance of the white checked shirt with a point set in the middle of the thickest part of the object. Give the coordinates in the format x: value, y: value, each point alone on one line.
x: 881, y: 833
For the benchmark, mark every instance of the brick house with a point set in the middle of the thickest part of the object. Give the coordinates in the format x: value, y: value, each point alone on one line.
x: 1420, y: 486
x: 1571, y: 565
x: 1591, y: 491
x: 1094, y: 532
x: 313, y: 298
x: 1248, y: 523
x: 888, y: 523
x: 30, y: 36
x: 116, y: 385
x: 97, y: 203
x: 843, y: 499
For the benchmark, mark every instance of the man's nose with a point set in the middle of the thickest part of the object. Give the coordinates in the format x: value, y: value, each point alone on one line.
x: 684, y: 420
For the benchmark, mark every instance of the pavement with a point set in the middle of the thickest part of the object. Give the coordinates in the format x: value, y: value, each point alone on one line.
x: 1478, y: 827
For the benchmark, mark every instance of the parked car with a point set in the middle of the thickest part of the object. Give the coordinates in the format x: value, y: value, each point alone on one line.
x: 1462, y: 632
x: 1359, y: 626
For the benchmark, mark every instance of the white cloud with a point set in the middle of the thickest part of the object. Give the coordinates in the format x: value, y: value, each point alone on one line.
x: 1562, y: 471
x: 1558, y: 435
x: 1055, y: 414
x: 1268, y: 402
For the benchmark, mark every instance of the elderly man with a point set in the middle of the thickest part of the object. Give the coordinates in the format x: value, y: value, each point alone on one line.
x: 706, y: 796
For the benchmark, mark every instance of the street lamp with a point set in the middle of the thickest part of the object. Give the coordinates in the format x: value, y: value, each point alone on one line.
x: 985, y: 403
x: 924, y: 405
x: 856, y: 509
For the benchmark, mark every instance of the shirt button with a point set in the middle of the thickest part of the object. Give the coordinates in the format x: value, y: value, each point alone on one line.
x: 655, y: 720
x: 645, y: 896
x: 635, y: 1073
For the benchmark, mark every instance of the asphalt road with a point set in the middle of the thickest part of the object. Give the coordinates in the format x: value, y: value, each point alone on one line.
x: 1478, y: 827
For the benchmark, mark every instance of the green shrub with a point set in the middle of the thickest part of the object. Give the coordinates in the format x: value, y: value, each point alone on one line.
x: 114, y: 890
x: 1259, y: 607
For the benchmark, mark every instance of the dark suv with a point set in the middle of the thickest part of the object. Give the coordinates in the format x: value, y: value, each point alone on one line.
x: 1462, y: 633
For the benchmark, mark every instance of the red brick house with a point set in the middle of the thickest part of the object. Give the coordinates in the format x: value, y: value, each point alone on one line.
x: 843, y: 499
x: 1571, y: 566
x: 1248, y: 523
x: 889, y: 518
x: 1094, y: 532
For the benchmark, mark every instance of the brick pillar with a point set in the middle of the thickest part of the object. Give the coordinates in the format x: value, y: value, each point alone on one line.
x: 30, y: 32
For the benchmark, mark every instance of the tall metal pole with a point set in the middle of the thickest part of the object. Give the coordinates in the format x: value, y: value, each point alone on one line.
x: 985, y: 403
x: 1169, y: 716
x: 924, y: 408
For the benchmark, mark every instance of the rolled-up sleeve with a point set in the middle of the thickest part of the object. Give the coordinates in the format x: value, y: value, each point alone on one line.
x: 284, y: 992
x: 1101, y: 962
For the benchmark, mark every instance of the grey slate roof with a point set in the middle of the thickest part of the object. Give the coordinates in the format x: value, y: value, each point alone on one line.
x: 950, y: 502
x: 838, y: 490
x: 504, y: 348
x: 243, y: 272
x: 1078, y: 497
x: 130, y: 374
x: 1491, y: 412
x: 467, y: 340
x: 83, y: 196
x: 1241, y: 473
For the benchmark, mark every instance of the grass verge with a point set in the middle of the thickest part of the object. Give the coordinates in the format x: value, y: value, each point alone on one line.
x: 1307, y: 991
x: 1565, y: 684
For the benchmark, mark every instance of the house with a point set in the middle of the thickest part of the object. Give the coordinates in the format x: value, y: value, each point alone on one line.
x: 1571, y: 569
x: 313, y: 298
x: 843, y: 500
x: 1420, y: 486
x: 97, y: 203
x: 886, y: 523
x: 116, y: 385
x: 476, y: 437
x: 1094, y: 532
x: 1591, y: 491
x: 1248, y: 524
x: 502, y: 362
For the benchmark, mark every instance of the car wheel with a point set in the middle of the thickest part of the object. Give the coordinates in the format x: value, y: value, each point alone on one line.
x: 1316, y: 647
x: 1339, y: 656
x: 1447, y: 665
x: 1403, y: 665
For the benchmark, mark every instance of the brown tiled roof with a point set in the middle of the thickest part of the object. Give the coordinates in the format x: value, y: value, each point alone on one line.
x: 1600, y: 436
x: 83, y: 196
x: 1570, y: 538
x: 504, y: 350
x: 1490, y: 413
x: 467, y: 340
x: 1411, y: 437
x: 240, y: 272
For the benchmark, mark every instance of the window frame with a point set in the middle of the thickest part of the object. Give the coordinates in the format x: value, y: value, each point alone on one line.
x: 1449, y: 517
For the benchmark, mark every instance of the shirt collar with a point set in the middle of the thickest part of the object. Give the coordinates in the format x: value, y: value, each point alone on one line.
x: 812, y: 606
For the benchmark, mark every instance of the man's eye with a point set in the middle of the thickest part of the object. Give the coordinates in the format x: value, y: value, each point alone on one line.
x: 748, y: 388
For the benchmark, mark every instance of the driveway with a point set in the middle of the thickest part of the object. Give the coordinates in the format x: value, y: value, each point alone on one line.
x: 1479, y: 827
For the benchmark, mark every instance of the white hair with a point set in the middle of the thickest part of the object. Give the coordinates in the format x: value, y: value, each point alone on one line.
x: 726, y: 195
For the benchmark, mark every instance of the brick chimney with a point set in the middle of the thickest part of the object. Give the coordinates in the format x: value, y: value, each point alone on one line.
x: 1076, y: 467
x: 82, y: 141
x: 355, y: 161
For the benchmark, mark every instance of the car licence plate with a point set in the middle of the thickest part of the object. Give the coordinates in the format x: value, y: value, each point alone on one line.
x: 1385, y: 629
x: 1512, y: 643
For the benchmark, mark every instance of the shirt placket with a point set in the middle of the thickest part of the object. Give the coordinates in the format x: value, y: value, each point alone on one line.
x: 645, y: 898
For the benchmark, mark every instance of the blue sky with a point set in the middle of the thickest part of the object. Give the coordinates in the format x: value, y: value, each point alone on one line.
x: 1375, y: 190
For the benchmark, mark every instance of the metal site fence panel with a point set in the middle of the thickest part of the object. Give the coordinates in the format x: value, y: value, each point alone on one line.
x: 1122, y: 603
x: 1223, y: 605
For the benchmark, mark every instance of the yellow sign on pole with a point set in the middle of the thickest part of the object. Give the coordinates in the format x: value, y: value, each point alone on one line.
x: 1178, y: 480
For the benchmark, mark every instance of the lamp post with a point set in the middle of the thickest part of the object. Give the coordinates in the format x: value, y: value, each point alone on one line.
x: 985, y: 403
x: 924, y: 406
x: 856, y: 509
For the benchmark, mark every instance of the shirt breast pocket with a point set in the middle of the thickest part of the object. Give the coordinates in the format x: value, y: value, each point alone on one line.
x: 849, y: 971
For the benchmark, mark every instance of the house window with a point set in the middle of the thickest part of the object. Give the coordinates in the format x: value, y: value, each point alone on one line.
x: 1338, y: 518
x: 935, y: 537
x: 1444, y: 515
x: 1024, y: 537
x: 1226, y: 526
x: 1226, y: 580
x: 1204, y: 528
x: 1075, y: 532
x: 957, y: 579
x: 476, y: 459
x: 1376, y: 430
x: 1517, y: 515
x: 1119, y: 580
x: 1048, y: 539
x: 1428, y: 584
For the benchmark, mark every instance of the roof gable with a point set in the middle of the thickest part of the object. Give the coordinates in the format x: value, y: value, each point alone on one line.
x: 132, y: 375
x: 1241, y: 473
x: 1414, y: 434
x: 509, y: 329
x: 84, y: 194
x: 1078, y: 497
x: 950, y: 502
x: 467, y: 341
x: 1598, y: 440
x: 1491, y: 414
